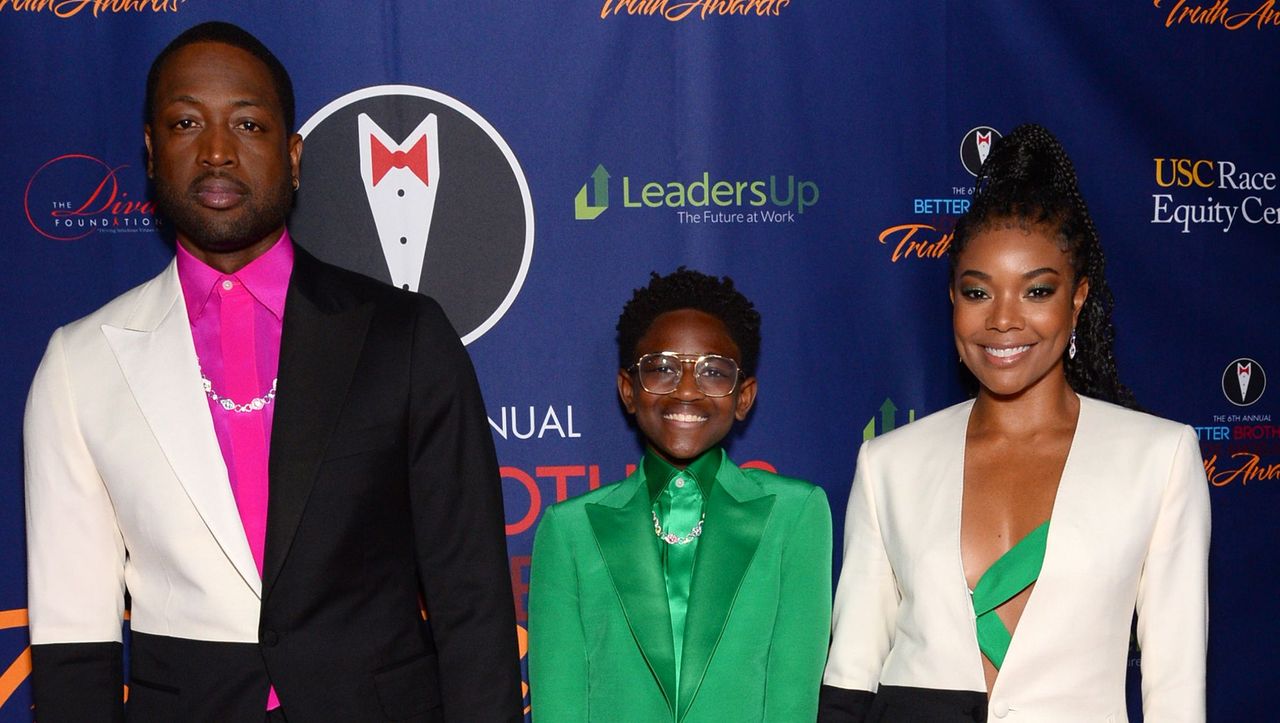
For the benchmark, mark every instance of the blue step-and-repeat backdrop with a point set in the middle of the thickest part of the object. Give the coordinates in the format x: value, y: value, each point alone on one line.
x: 817, y: 152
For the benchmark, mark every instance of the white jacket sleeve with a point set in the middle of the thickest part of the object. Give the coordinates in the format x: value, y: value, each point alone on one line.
x: 75, y: 552
x: 866, y: 601
x: 1173, y: 607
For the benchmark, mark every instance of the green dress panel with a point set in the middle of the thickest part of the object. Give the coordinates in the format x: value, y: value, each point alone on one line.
x: 1014, y: 572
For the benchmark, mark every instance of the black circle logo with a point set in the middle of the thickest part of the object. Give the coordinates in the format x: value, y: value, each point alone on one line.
x: 1243, y: 382
x: 413, y: 187
x: 975, y: 146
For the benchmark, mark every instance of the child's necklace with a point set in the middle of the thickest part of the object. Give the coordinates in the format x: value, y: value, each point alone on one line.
x: 671, y: 538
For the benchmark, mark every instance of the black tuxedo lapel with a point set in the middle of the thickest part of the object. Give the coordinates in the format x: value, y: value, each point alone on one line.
x: 323, y: 334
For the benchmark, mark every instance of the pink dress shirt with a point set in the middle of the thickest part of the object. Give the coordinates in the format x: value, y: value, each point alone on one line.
x: 236, y: 321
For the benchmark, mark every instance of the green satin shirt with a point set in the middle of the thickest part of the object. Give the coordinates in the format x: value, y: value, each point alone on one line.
x: 677, y: 497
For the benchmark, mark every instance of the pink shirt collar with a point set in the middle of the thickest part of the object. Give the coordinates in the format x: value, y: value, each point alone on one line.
x: 266, y: 278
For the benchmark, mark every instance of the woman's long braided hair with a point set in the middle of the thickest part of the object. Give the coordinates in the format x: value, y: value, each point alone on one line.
x: 1028, y: 180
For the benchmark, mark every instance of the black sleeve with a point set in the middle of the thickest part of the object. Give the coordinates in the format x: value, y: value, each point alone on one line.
x: 841, y: 705
x: 456, y: 493
x: 78, y: 682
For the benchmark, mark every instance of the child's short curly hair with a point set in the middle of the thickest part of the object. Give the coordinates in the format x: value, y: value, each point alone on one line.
x: 688, y: 289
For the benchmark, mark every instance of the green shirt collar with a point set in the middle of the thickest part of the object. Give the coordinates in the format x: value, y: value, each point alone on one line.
x: 658, y: 472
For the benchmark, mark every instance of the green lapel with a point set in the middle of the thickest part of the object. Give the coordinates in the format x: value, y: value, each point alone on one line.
x: 737, y: 514
x: 623, y: 528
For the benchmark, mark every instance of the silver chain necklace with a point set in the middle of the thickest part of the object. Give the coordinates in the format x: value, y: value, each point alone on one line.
x: 672, y: 538
x: 253, y: 405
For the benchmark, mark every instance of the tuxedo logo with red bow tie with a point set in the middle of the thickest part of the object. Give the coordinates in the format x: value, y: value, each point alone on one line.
x: 400, y: 181
x: 975, y: 147
x: 1243, y: 382
x: 984, y: 146
x: 413, y: 187
x: 415, y: 159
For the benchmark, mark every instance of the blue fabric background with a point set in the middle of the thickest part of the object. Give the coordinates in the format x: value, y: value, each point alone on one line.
x: 868, y: 102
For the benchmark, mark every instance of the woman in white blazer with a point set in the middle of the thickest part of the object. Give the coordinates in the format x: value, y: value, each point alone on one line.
x: 996, y: 551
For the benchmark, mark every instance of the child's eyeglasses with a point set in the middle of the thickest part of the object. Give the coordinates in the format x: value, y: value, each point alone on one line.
x: 660, y: 373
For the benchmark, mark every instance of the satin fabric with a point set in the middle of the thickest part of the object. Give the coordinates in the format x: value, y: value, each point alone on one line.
x: 678, y: 496
x: 236, y: 322
x: 1007, y: 576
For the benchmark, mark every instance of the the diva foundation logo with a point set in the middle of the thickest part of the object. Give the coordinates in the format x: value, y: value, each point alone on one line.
x: 74, y: 195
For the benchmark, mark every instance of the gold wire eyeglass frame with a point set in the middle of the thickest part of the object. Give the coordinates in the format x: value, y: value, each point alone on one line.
x: 697, y: 360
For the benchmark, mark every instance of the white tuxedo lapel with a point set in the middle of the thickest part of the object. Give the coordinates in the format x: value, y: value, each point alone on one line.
x: 946, y: 459
x: 1071, y: 536
x: 157, y: 356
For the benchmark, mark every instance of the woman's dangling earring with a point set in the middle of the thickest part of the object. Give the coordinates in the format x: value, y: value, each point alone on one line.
x: 1071, y: 346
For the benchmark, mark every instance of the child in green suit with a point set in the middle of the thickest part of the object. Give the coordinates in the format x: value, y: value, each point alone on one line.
x: 693, y: 590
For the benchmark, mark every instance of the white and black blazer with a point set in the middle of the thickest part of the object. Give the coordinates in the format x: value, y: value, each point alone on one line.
x: 1130, y: 532
x: 384, y: 495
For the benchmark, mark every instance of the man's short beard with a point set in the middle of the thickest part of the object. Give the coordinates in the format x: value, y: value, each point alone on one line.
x: 253, y: 222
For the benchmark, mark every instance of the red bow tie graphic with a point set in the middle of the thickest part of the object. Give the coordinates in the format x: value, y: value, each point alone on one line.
x: 415, y: 159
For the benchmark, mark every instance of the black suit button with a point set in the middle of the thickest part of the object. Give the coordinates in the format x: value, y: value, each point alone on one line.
x: 270, y: 638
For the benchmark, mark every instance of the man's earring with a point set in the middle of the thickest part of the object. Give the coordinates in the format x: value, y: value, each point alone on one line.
x: 296, y: 184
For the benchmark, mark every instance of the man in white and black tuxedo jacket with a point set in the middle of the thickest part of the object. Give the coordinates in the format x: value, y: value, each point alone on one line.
x: 281, y: 464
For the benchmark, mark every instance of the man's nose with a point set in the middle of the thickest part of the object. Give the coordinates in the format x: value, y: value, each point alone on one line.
x: 218, y: 147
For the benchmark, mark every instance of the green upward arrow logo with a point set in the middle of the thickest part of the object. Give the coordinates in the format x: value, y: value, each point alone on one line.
x: 584, y: 211
x: 888, y: 420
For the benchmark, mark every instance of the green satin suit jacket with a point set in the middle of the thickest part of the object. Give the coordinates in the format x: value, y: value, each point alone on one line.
x: 758, y: 623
